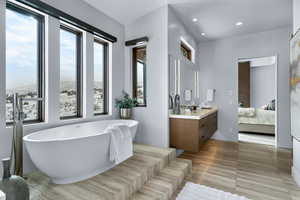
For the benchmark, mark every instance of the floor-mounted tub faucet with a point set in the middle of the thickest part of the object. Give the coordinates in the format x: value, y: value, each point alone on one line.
x: 17, y: 144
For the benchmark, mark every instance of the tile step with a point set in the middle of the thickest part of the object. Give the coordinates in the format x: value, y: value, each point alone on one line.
x: 167, y: 154
x: 151, y: 173
x: 166, y: 183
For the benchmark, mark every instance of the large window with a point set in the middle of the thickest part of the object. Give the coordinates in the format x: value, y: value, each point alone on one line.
x: 70, y: 73
x: 100, y: 77
x: 24, y: 60
x: 139, y: 75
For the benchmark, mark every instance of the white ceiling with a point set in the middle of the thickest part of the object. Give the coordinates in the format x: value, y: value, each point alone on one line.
x: 126, y: 11
x: 217, y: 18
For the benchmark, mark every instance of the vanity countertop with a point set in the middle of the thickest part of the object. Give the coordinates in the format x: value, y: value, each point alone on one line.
x: 199, y: 114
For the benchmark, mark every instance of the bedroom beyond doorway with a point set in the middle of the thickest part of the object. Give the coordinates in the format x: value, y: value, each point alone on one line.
x: 257, y: 94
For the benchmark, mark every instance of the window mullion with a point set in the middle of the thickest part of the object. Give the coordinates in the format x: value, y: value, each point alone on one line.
x: 88, y: 72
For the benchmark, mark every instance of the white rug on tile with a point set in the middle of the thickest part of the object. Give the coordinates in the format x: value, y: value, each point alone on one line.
x: 2, y: 195
x: 193, y: 191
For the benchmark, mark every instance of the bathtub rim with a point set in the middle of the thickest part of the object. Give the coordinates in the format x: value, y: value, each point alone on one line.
x: 26, y: 138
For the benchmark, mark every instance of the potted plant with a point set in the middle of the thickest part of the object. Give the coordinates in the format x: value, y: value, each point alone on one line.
x: 125, y: 105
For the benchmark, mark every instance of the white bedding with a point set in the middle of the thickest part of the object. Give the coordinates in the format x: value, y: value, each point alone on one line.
x: 263, y: 117
x: 247, y: 112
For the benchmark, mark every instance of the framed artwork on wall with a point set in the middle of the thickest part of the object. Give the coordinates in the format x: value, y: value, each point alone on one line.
x: 295, y: 85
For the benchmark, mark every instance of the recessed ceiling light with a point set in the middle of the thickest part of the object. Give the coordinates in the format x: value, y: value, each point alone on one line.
x: 239, y: 23
x: 195, y: 19
x: 203, y: 34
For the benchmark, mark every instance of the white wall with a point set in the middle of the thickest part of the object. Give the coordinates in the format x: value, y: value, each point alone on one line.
x: 218, y: 68
x: 262, y: 85
x: 154, y: 126
x: 83, y: 11
x: 296, y: 143
x: 176, y: 31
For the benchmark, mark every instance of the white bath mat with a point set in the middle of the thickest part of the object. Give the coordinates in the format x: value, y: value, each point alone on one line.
x: 193, y: 191
x: 2, y: 195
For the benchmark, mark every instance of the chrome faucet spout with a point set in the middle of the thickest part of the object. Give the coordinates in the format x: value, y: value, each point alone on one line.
x: 171, y: 103
x: 176, y: 104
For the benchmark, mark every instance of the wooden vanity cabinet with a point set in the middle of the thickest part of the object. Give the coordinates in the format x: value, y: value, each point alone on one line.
x: 190, y: 134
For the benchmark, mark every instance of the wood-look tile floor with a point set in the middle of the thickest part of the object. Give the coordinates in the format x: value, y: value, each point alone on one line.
x: 259, y: 172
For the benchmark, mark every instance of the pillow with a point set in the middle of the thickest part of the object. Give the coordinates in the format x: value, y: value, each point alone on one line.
x: 271, y: 105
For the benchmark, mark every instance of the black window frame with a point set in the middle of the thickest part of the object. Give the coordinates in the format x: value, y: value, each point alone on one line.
x: 134, y: 75
x: 41, y: 57
x: 69, y: 19
x: 79, y: 70
x: 105, y: 76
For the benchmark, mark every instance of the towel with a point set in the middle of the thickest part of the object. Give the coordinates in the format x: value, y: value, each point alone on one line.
x: 125, y: 130
x: 2, y: 195
x: 121, y: 146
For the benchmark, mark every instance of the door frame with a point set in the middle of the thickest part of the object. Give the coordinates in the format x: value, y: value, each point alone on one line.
x: 276, y: 91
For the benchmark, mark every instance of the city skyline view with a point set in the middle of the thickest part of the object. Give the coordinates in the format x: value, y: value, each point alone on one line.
x: 22, y: 67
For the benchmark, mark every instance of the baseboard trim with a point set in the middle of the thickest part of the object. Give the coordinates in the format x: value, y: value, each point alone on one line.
x: 296, y: 175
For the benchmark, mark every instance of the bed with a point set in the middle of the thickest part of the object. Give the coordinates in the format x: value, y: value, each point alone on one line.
x: 256, y: 120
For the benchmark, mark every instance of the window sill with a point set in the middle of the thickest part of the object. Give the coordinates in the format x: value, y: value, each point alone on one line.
x: 70, y: 118
x: 53, y: 124
x: 102, y: 116
x: 35, y: 124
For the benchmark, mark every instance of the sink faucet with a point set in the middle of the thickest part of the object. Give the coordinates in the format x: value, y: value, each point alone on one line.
x: 171, y: 103
x: 17, y: 145
x: 176, y: 108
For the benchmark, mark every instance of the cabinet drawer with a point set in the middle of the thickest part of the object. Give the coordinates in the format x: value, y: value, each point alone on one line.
x: 208, y: 126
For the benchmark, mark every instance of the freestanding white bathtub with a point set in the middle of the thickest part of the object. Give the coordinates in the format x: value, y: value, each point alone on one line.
x: 73, y: 153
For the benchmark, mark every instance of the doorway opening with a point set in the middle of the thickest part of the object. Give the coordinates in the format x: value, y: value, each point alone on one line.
x: 257, y: 98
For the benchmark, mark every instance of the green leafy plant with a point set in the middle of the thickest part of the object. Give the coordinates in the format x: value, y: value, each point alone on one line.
x: 126, y: 101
